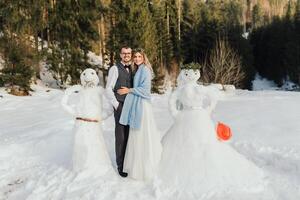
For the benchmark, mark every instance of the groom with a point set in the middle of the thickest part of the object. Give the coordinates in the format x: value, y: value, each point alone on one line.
x: 120, y: 75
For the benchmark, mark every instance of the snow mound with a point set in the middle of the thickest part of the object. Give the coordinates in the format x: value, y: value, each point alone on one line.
x: 260, y: 83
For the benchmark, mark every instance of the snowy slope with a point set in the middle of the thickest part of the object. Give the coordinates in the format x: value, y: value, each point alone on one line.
x: 36, y: 146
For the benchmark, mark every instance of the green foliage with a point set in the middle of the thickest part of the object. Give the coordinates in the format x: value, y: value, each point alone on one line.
x: 1, y: 81
x: 17, y: 70
x: 257, y: 16
x: 191, y: 65
x: 68, y: 26
x: 289, y: 11
x: 233, y: 11
x: 190, y: 31
x: 297, y: 13
x: 203, y: 23
x: 165, y: 16
x: 133, y: 26
x: 157, y: 81
x: 71, y: 30
x: 277, y: 50
x: 14, y: 45
x: 13, y: 16
x: 171, y: 32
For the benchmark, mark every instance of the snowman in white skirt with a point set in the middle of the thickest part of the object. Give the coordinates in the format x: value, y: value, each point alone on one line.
x: 89, y: 150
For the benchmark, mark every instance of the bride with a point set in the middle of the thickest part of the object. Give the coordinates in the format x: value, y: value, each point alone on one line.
x: 193, y: 160
x: 143, y: 150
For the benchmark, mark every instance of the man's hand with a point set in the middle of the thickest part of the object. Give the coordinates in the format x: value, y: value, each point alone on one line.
x: 123, y: 90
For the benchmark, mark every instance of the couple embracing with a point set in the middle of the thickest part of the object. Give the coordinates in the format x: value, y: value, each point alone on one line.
x: 137, y: 140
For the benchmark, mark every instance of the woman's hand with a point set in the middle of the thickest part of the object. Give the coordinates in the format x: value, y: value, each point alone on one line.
x: 123, y: 90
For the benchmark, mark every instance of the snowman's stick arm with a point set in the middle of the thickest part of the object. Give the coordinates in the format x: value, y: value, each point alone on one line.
x: 173, y: 103
x: 212, y: 95
x: 108, y: 110
x: 64, y: 102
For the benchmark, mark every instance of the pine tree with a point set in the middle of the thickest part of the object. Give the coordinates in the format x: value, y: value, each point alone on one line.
x: 71, y: 32
x: 166, y: 20
x: 133, y: 25
x: 191, y: 19
x: 233, y: 13
x: 36, y: 24
x: 295, y: 73
x: 17, y: 72
x: 257, y: 16
x: 297, y: 13
x: 273, y: 50
x: 217, y: 20
x: 288, y: 14
x: 15, y: 46
x: 175, y: 28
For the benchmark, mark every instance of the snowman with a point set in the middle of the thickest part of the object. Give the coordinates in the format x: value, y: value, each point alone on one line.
x: 190, y: 92
x: 89, y: 149
x: 194, y: 161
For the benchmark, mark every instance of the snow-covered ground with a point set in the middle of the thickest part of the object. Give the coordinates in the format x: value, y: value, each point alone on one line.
x: 36, y: 146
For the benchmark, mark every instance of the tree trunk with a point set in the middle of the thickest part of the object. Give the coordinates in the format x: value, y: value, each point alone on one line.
x: 101, y: 32
x: 168, y: 19
x: 179, y: 19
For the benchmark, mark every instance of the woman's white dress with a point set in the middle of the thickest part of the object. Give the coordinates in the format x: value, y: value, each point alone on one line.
x: 143, y: 151
x: 193, y: 160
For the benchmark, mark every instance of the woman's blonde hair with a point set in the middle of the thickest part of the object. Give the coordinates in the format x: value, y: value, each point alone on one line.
x: 146, y: 60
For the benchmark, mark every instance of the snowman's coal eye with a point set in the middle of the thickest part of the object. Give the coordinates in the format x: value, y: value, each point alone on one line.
x: 186, y: 74
x: 92, y: 73
x: 83, y: 74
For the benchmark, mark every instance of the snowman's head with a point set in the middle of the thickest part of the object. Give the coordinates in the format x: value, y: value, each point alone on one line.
x: 188, y: 76
x: 89, y: 78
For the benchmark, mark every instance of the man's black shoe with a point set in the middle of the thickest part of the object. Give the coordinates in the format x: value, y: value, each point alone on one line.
x: 123, y: 174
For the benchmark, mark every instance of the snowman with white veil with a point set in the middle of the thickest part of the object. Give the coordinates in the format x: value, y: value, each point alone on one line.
x: 194, y: 162
x: 89, y: 148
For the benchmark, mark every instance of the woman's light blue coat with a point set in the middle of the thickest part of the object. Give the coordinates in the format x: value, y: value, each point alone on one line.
x: 133, y: 108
